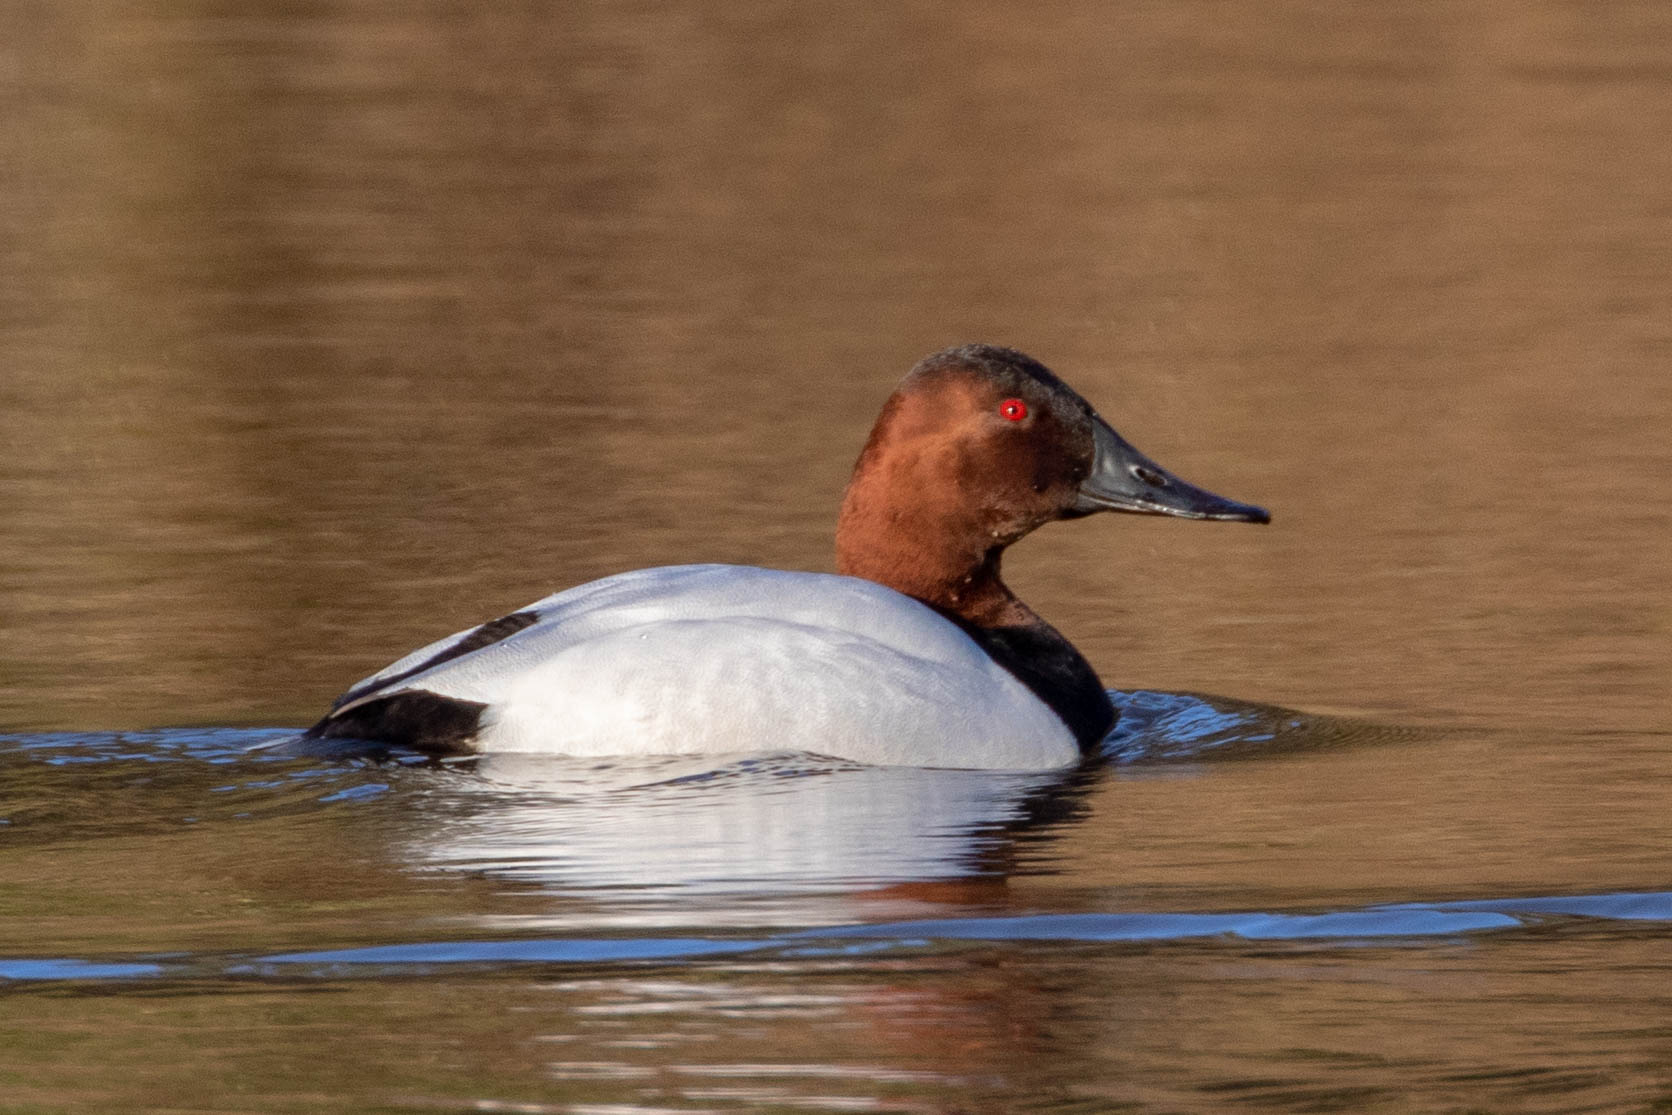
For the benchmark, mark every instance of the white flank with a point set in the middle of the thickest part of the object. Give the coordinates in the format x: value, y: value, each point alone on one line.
x: 722, y: 659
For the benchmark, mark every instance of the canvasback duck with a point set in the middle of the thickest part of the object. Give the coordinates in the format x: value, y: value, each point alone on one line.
x: 915, y: 653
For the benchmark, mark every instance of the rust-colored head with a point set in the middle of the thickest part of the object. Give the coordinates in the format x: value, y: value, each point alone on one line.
x: 978, y: 446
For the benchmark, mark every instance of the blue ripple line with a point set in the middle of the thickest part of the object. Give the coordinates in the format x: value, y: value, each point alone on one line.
x: 358, y: 793
x: 1413, y: 922
x: 1624, y: 906
x: 1391, y: 921
x: 1415, y: 919
x: 1403, y: 920
x: 537, y: 949
x: 66, y: 968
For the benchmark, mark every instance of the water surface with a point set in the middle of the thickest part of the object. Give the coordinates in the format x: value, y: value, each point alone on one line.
x: 329, y: 328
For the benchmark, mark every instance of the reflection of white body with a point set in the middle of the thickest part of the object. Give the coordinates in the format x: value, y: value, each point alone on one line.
x: 716, y: 659
x: 774, y: 825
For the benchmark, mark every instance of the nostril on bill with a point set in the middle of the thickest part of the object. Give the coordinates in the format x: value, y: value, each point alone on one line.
x: 1149, y: 476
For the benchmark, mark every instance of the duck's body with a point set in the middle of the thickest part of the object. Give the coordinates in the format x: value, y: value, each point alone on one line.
x: 718, y: 659
x: 918, y: 655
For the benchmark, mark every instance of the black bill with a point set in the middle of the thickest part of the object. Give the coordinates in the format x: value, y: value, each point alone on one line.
x: 1123, y: 479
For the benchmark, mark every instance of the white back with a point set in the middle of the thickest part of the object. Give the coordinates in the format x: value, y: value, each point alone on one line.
x: 721, y: 659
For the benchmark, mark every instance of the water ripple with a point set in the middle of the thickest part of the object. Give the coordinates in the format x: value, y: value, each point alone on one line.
x: 1374, y: 924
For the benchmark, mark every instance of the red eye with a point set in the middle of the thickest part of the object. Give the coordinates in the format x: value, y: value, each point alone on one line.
x: 1014, y: 409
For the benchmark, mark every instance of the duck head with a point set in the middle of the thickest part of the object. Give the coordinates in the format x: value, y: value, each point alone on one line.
x: 978, y: 446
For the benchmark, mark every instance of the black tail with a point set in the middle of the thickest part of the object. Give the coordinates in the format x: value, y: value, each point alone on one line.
x: 415, y: 718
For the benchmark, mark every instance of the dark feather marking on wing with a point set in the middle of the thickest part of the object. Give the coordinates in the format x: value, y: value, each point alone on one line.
x: 494, y: 631
x: 417, y: 719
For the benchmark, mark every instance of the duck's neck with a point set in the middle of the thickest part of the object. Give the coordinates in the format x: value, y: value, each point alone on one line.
x: 923, y: 561
x: 912, y: 550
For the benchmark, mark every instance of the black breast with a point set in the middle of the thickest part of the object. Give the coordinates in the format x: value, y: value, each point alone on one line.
x: 1041, y: 659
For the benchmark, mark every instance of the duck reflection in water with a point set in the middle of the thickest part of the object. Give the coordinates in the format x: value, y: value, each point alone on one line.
x: 673, y: 830
x: 667, y: 830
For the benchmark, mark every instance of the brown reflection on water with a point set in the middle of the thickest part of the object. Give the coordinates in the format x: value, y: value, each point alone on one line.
x: 1165, y: 1029
x: 332, y: 327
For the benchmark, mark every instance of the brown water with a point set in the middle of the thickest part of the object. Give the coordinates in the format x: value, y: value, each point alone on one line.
x: 327, y: 328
